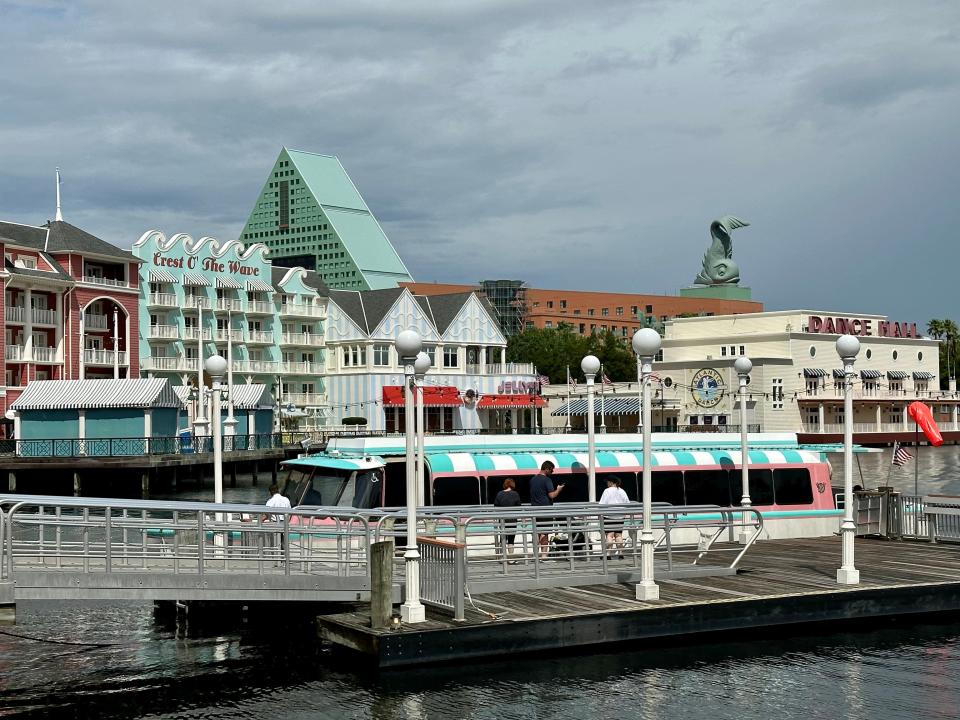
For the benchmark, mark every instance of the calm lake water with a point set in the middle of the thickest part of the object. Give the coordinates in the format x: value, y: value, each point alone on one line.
x: 129, y: 666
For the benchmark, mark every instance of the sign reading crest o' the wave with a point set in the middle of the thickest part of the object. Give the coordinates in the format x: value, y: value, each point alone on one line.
x: 206, y: 256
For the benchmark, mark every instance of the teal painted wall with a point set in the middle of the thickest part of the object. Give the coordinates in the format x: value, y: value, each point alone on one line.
x: 164, y: 422
x: 263, y: 423
x: 44, y: 424
x: 115, y: 423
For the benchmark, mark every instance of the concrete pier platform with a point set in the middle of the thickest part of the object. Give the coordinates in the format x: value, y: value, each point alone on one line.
x: 782, y: 583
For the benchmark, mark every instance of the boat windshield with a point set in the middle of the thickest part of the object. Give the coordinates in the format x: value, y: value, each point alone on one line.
x: 323, y: 486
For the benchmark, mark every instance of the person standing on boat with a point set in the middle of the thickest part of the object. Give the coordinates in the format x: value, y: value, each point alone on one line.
x: 543, y: 493
x: 614, y: 495
x: 508, y: 498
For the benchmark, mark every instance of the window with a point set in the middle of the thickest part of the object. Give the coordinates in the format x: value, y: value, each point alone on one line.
x: 450, y: 359
x: 431, y: 351
x: 620, y: 310
x: 563, y: 304
x: 776, y: 393
x: 649, y: 310
x: 811, y: 416
x: 760, y: 483
x: 791, y: 486
x: 583, y: 328
x: 694, y: 419
x: 667, y: 486
x: 722, y: 420
x: 895, y: 354
x: 896, y: 386
x: 634, y: 310
x: 605, y: 312
x: 869, y: 387
x: 733, y: 350
x: 576, y: 312
x: 895, y: 415
x: 548, y: 323
x: 590, y: 312
x: 381, y: 355
x: 743, y: 350
x: 707, y: 487
x: 550, y: 304
x: 723, y: 351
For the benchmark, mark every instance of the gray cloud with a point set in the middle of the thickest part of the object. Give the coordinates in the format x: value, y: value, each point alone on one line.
x: 570, y: 144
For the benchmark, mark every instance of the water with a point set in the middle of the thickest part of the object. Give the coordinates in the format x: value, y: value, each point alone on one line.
x: 131, y: 667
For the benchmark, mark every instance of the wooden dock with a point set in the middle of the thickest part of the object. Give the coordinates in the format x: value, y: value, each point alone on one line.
x: 781, y: 582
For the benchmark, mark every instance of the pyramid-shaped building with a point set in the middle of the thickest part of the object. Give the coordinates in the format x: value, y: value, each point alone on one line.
x: 310, y: 214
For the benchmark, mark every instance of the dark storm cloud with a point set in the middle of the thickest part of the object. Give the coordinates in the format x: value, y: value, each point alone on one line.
x: 572, y: 144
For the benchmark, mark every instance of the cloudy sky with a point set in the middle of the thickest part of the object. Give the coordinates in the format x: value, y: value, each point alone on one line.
x: 572, y: 144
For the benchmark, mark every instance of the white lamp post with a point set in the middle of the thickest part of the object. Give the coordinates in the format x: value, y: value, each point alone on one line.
x: 646, y: 343
x: 216, y: 366
x: 591, y: 366
x: 743, y: 366
x: 847, y: 348
x: 420, y: 367
x: 409, y: 344
x: 116, y: 343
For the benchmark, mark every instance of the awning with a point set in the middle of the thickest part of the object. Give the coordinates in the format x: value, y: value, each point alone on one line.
x: 258, y: 286
x: 577, y: 462
x: 228, y: 282
x: 92, y: 394
x: 870, y: 374
x: 195, y: 279
x: 433, y: 396
x: 838, y: 374
x: 923, y: 375
x: 515, y: 400
x: 610, y: 406
x: 814, y: 372
x: 896, y: 375
x: 161, y: 276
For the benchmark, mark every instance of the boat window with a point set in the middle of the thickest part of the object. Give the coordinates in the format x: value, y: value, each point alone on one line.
x: 365, y: 489
x: 666, y: 486
x: 295, y: 484
x: 395, y: 492
x: 456, y: 490
x: 761, y: 486
x: 791, y: 486
x: 707, y: 487
x: 575, y: 487
x: 325, y: 488
x: 628, y: 481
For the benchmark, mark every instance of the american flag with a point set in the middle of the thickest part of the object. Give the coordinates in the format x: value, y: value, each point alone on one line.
x: 901, y: 455
x: 606, y: 380
x: 573, y: 383
x: 544, y: 380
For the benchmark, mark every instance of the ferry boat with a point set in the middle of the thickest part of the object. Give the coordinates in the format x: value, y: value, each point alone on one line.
x: 790, y: 484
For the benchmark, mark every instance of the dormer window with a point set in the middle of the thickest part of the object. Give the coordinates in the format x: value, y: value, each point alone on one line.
x: 25, y: 261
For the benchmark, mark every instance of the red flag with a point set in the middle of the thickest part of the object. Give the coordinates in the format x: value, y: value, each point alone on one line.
x: 924, y: 418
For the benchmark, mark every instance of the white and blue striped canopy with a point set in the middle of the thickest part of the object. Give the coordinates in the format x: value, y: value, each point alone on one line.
x: 577, y: 462
x: 619, y: 405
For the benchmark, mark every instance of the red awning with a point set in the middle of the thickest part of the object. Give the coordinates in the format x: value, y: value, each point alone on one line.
x: 433, y: 396
x: 511, y: 401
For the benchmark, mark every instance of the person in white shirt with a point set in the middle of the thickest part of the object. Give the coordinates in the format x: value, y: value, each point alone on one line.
x: 276, y: 501
x: 614, y: 495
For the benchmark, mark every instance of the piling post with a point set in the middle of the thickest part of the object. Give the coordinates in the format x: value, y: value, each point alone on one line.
x: 76, y: 485
x: 11, y: 482
x: 254, y: 470
x: 145, y: 485
x: 381, y: 583
x: 273, y: 472
x: 173, y: 478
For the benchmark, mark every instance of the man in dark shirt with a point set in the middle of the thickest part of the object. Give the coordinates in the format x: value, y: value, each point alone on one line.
x: 542, y: 492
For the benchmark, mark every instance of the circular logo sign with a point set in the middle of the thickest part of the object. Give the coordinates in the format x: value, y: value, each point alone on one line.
x: 707, y: 387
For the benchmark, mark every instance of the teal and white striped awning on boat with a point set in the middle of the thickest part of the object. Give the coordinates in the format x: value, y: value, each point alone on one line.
x: 577, y: 462
x: 368, y: 462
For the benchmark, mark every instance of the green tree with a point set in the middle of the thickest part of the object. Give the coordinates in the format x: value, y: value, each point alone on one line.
x: 947, y: 333
x: 553, y: 350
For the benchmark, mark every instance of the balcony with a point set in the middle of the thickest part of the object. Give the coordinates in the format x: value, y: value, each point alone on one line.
x: 45, y: 355
x: 109, y: 282
x: 259, y: 337
x: 303, y: 399
x: 162, y: 300
x: 235, y: 335
x: 505, y: 368
x: 13, y: 352
x: 168, y: 364
x: 94, y: 322
x: 193, y: 333
x: 837, y: 428
x: 229, y: 305
x: 102, y: 357
x: 14, y: 314
x: 302, y: 368
x: 163, y: 332
x: 831, y: 394
x: 258, y: 307
x: 301, y: 310
x: 302, y: 339
x: 196, y: 302
x: 255, y: 366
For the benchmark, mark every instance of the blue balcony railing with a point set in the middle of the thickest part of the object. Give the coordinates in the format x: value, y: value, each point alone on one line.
x: 139, y: 446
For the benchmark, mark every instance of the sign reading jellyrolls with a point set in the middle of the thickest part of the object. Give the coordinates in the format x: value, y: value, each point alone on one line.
x: 858, y: 326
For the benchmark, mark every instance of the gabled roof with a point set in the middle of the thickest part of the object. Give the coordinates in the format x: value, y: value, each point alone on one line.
x: 92, y: 394
x: 57, y: 272
x: 63, y: 237
x: 351, y: 303
x: 366, y: 308
x: 445, y: 308
x: 25, y: 235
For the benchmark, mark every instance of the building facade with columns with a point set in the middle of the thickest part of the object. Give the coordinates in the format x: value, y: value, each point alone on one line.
x: 70, y: 307
x: 203, y: 297
x: 469, y: 387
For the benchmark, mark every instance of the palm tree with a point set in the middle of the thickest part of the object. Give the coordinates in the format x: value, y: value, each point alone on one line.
x: 950, y: 332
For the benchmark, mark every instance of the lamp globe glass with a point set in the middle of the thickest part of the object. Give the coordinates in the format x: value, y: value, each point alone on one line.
x: 215, y: 365
x: 422, y: 364
x: 742, y: 365
x: 408, y: 344
x: 646, y: 342
x: 590, y: 365
x: 848, y: 346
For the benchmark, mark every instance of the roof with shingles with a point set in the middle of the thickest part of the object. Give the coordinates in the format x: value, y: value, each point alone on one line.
x: 253, y: 396
x: 93, y: 394
x: 445, y: 308
x: 57, y: 272
x: 63, y: 237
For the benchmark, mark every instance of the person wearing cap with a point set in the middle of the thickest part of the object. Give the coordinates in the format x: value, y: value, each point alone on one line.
x: 614, y: 495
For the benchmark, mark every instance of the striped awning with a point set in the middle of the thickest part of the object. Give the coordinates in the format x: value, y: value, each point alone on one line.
x: 195, y: 279
x: 228, y: 282
x: 838, y: 374
x: 871, y: 374
x: 896, y: 375
x: 577, y: 462
x: 433, y: 396
x: 161, y: 276
x: 923, y: 375
x: 814, y: 372
x: 620, y: 405
x: 511, y: 400
x: 258, y: 286
x: 93, y: 394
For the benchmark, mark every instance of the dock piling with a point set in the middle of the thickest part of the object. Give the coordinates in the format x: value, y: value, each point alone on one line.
x: 76, y: 485
x: 11, y: 482
x: 381, y: 583
x: 254, y: 470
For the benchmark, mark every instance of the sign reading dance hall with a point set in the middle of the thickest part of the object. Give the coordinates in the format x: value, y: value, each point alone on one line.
x: 857, y: 326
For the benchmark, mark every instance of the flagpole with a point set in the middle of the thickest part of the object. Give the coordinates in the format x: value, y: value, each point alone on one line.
x: 893, y: 461
x: 603, y: 409
x: 568, y: 399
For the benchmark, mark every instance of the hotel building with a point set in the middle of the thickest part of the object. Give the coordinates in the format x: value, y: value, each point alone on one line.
x: 204, y: 296
x: 69, y: 307
x: 469, y: 387
x: 587, y: 312
x: 310, y: 214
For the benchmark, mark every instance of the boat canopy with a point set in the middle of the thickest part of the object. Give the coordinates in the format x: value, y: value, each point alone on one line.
x: 577, y: 462
x: 337, y: 463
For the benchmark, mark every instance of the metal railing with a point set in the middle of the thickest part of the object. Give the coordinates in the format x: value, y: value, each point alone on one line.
x: 305, y: 339
x: 164, y: 332
x: 301, y: 310
x: 137, y: 446
x: 259, y: 307
x: 109, y: 282
x: 92, y: 321
x: 443, y: 570
x: 162, y: 300
x: 260, y: 336
x: 104, y: 357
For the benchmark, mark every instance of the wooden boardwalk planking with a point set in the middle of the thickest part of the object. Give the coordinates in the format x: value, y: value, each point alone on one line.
x: 779, y: 575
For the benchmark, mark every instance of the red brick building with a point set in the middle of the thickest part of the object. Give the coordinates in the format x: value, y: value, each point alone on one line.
x: 69, y: 307
x: 588, y: 312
